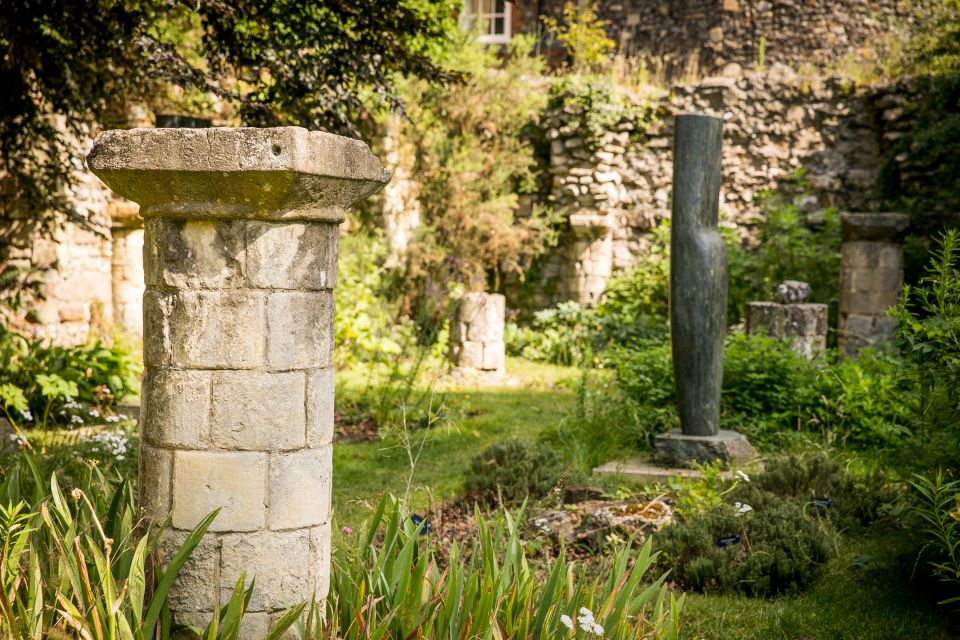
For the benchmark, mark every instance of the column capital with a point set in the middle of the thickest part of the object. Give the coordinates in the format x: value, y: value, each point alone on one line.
x: 279, y: 174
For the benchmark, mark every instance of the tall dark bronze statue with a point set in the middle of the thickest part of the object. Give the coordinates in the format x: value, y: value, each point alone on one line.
x: 698, y: 274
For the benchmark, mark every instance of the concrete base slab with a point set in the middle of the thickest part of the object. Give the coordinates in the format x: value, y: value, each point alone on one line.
x: 641, y: 470
x: 676, y: 449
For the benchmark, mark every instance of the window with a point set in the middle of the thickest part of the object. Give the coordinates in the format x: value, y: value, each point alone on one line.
x: 491, y: 18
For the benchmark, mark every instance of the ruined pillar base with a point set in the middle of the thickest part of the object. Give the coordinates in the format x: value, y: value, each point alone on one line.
x: 676, y: 449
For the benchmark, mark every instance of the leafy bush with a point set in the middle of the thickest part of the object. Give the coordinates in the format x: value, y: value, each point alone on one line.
x: 38, y: 379
x: 936, y: 502
x: 397, y: 589
x: 367, y: 327
x: 770, y: 392
x: 511, y: 471
x: 73, y: 564
x: 583, y: 34
x: 787, y: 247
x: 780, y: 549
x: 929, y: 334
x: 822, y: 486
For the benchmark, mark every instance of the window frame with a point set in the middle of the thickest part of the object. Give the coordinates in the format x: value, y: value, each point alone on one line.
x: 471, y: 14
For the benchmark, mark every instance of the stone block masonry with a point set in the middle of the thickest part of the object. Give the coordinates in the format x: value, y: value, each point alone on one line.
x: 241, y: 229
x: 476, y: 335
x: 871, y: 278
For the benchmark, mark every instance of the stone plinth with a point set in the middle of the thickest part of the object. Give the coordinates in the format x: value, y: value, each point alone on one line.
x: 677, y: 449
x: 476, y: 335
x: 871, y: 278
x: 804, y: 325
x: 240, y: 265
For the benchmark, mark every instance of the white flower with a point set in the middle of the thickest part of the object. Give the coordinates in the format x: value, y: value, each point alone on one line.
x: 586, y: 614
x: 566, y: 621
x: 27, y: 415
x: 742, y: 508
x: 76, y: 420
x: 123, y: 416
x: 112, y: 419
x: 19, y: 438
x: 94, y: 413
x: 743, y: 476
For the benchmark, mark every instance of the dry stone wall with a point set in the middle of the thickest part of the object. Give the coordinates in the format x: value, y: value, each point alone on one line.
x: 778, y: 126
x: 706, y: 35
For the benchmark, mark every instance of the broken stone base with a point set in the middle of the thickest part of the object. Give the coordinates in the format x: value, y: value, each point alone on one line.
x: 677, y: 449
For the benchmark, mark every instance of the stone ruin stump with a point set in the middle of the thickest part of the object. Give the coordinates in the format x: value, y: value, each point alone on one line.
x: 871, y: 278
x: 476, y: 334
x: 791, y: 318
x: 238, y: 390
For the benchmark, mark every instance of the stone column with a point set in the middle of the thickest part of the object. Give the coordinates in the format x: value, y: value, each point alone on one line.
x: 126, y: 266
x: 791, y: 318
x: 871, y: 278
x: 698, y: 299
x: 476, y: 334
x: 240, y: 266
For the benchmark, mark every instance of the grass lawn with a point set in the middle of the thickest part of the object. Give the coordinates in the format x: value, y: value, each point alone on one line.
x: 865, y: 593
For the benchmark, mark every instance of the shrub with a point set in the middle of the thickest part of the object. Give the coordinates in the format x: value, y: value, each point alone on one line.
x: 780, y: 549
x: 583, y: 35
x: 929, y: 334
x: 397, y: 589
x: 511, y: 471
x: 37, y: 379
x: 821, y: 486
x: 936, y: 502
x: 787, y: 247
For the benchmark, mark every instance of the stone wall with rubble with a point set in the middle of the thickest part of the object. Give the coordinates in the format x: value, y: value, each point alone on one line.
x: 689, y: 36
x: 79, y: 282
x: 615, y: 189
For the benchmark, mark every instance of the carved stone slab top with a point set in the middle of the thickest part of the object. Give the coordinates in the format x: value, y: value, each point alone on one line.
x: 282, y: 173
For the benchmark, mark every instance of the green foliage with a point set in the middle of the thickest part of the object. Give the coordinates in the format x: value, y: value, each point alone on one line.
x: 644, y: 289
x: 367, y: 328
x: 770, y: 393
x: 396, y: 589
x: 695, y: 496
x: 583, y: 34
x: 601, y: 107
x: 929, y: 333
x: 511, y: 471
x: 934, y: 42
x: 787, y: 518
x: 316, y: 64
x: 781, y: 549
x: 936, y: 502
x: 49, y: 377
x: 473, y: 163
x: 857, y: 500
x: 74, y: 565
x: 787, y: 247
x: 920, y: 172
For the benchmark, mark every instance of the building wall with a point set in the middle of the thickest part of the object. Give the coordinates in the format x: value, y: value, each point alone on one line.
x: 706, y: 35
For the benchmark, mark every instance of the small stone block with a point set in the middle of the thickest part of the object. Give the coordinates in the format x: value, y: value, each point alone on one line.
x: 300, y: 330
x: 675, y: 448
x: 494, y: 355
x: 233, y: 482
x: 765, y: 317
x: 471, y: 355
x: 292, y: 255
x: 195, y: 589
x: 217, y: 329
x: 281, y: 561
x: 156, y: 469
x: 320, y: 407
x: 805, y: 320
x: 258, y: 411
x: 190, y: 254
x: 300, y: 484
x: 177, y: 407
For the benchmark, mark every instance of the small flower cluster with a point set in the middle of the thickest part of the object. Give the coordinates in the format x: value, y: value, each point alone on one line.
x: 117, y: 418
x: 585, y: 621
x: 19, y: 438
x: 27, y: 416
x: 742, y: 508
x: 116, y: 444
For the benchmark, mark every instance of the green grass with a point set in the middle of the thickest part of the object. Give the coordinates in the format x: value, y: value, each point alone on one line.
x: 864, y: 595
x: 538, y: 397
x: 854, y: 600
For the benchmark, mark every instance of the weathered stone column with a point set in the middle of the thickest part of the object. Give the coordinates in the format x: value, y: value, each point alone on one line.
x: 476, y: 334
x: 698, y: 299
x: 871, y: 278
x: 791, y: 318
x: 241, y: 262
x: 126, y: 266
